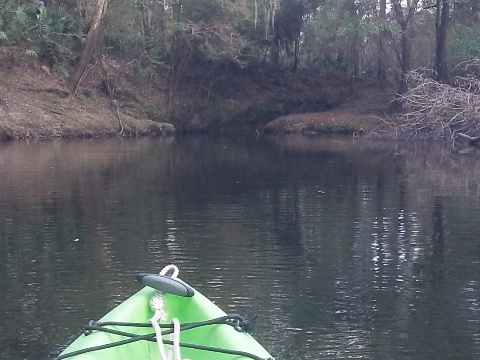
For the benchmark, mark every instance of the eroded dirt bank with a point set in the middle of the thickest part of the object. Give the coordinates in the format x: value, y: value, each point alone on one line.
x: 34, y: 103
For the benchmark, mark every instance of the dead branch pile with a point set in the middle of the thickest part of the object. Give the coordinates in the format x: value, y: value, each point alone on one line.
x: 433, y: 110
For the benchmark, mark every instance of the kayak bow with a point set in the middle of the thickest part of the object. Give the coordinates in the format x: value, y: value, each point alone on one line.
x: 182, y: 320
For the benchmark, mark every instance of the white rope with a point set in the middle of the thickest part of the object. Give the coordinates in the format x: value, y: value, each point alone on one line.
x: 157, y: 305
x: 168, y: 268
x: 175, y: 338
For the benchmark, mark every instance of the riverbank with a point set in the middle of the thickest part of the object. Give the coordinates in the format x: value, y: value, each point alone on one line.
x: 34, y: 103
x: 360, y: 113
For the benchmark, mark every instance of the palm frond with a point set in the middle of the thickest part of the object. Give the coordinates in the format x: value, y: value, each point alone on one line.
x: 61, y: 71
x: 31, y: 53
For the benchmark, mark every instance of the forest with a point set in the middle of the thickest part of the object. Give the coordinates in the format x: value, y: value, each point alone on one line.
x: 210, y: 57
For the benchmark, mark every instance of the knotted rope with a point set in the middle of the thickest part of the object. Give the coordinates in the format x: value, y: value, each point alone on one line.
x: 157, y: 305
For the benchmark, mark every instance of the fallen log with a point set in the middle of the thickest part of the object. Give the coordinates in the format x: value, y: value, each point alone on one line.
x: 471, y: 140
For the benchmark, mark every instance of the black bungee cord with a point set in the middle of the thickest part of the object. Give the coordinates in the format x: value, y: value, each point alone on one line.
x: 237, y: 321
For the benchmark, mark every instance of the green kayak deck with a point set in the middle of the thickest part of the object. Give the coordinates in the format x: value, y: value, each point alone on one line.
x: 187, y: 309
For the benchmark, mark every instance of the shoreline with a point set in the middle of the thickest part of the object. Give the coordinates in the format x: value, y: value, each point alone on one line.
x: 35, y: 104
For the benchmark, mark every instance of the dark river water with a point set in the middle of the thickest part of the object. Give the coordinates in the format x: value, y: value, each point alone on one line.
x: 345, y: 249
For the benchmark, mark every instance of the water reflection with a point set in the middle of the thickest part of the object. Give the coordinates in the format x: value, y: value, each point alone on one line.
x: 346, y: 249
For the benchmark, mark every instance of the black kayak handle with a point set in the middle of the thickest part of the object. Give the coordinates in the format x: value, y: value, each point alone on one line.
x: 166, y: 284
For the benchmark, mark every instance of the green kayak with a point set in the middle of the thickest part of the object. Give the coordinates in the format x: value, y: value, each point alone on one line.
x: 191, y: 327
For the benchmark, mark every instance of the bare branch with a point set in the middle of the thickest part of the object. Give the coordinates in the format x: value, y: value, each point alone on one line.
x: 433, y: 110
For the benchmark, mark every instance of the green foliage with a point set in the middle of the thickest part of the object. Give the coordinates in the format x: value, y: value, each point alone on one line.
x: 154, y: 111
x: 122, y: 34
x: 464, y: 44
x: 31, y: 53
x: 343, y: 35
x: 199, y: 41
x: 61, y: 70
x: 288, y: 22
x: 49, y: 33
x: 210, y: 40
x: 7, y: 11
x: 203, y: 10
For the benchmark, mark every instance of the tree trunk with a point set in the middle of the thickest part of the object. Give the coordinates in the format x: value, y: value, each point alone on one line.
x: 297, y: 54
x: 90, y: 43
x: 348, y: 14
x: 406, y: 63
x: 177, y: 10
x: 441, y: 27
x: 382, y: 39
x: 275, y: 52
x: 404, y: 19
x: 153, y: 23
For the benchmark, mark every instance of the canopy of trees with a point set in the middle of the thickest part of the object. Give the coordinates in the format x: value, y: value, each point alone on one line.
x: 196, y: 42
